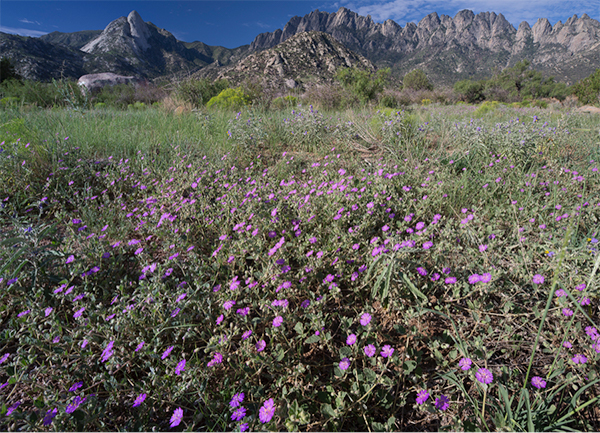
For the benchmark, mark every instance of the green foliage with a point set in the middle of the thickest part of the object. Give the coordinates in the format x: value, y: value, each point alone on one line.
x: 485, y: 107
x: 7, y: 70
x: 417, y: 80
x: 588, y: 89
x: 230, y: 99
x: 284, y: 102
x: 470, y: 91
x: 199, y: 92
x: 363, y: 84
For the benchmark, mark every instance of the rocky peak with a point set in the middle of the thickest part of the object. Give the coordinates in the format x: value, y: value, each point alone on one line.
x: 139, y: 30
x: 541, y: 29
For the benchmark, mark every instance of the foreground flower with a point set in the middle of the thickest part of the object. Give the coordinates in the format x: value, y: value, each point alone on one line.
x: 238, y: 414
x: 465, y: 363
x: 180, y: 367
x: 167, y: 352
x: 365, y: 319
x: 266, y: 412
x: 484, y: 375
x: 260, y: 346
x: 50, y: 416
x: 344, y: 364
x: 538, y: 279
x: 442, y: 402
x: 236, y: 400
x: 351, y: 339
x: 538, y: 382
x: 579, y: 359
x: 370, y: 350
x: 386, y: 351
x: 422, y: 396
x: 217, y: 359
x: 176, y: 417
x: 139, y: 400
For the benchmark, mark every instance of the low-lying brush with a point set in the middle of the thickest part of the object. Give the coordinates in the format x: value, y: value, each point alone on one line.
x: 297, y: 270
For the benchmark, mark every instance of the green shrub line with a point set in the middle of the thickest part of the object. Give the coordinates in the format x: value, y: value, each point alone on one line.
x: 429, y: 268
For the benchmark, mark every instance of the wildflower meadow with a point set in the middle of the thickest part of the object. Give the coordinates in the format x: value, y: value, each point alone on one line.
x: 366, y: 269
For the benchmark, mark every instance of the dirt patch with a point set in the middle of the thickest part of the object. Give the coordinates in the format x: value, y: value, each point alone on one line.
x: 589, y: 109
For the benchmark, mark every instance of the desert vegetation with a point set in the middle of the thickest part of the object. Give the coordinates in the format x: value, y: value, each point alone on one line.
x: 310, y: 261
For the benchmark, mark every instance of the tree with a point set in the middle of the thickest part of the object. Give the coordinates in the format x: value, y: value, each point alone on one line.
x: 417, y: 80
x: 588, y: 89
x: 7, y: 70
x: 364, y: 84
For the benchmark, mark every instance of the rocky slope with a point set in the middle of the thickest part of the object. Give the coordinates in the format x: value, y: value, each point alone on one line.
x: 465, y: 46
x: 308, y: 56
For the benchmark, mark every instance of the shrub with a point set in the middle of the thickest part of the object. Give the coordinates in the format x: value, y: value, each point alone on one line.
x: 417, y: 80
x: 588, y: 89
x: 470, y: 91
x: 284, y: 102
x: 363, y: 84
x: 485, y: 107
x: 327, y: 96
x: 199, y: 92
x: 230, y: 98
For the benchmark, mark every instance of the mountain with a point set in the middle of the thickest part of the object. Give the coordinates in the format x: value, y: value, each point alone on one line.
x: 446, y: 48
x: 310, y: 56
x: 74, y: 40
x: 41, y: 60
x: 450, y: 49
x: 127, y: 46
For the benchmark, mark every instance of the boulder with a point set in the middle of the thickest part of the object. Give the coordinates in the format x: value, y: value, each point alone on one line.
x: 95, y: 82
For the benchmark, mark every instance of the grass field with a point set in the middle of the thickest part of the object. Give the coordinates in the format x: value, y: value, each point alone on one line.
x: 427, y: 269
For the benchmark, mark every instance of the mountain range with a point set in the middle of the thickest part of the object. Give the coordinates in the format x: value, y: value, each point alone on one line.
x: 447, y: 48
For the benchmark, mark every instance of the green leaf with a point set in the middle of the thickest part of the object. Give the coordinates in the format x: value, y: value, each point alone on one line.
x: 299, y: 328
x: 312, y: 339
x: 327, y: 410
x: 416, y: 292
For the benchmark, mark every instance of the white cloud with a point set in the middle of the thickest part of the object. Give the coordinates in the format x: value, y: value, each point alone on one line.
x: 22, y: 32
x: 26, y: 21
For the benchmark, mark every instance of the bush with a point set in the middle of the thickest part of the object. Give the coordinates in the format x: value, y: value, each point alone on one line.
x: 588, y: 89
x: 328, y: 96
x: 417, y: 80
x: 485, y: 107
x: 363, y: 84
x: 470, y: 91
x: 230, y: 98
x: 199, y: 92
x: 284, y: 102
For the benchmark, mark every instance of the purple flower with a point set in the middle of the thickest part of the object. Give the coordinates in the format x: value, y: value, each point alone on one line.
x: 139, y: 400
x: 567, y: 312
x: 75, y: 386
x: 181, y: 297
x: 465, y: 363
x: 442, y: 402
x: 485, y: 278
x: 387, y: 351
x: 266, y: 412
x: 4, y: 357
x: 180, y: 367
x: 427, y: 245
x: 538, y: 279
x: 351, y: 339
x: 365, y: 319
x: 450, y: 280
x: 579, y: 359
x: 70, y: 259
x: 538, y: 382
x: 220, y: 319
x: 167, y: 352
x: 370, y: 350
x: 277, y: 321
x: 238, y: 414
x: 236, y: 400
x: 246, y: 334
x: 79, y: 312
x: 50, y: 416
x: 475, y: 278
x: 344, y: 364
x: 421, y: 271
x: 484, y: 375
x: 176, y: 417
x: 217, y: 359
x: 12, y: 408
x: 244, y: 427
x: 422, y: 396
x: 228, y: 304
x: 260, y: 346
x: 77, y: 401
x: 139, y: 346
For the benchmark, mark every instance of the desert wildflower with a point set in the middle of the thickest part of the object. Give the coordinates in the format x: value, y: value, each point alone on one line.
x: 465, y: 363
x: 139, y: 400
x: 538, y: 382
x: 176, y: 417
x: 422, y: 396
x: 484, y: 376
x: 442, y: 402
x: 266, y: 412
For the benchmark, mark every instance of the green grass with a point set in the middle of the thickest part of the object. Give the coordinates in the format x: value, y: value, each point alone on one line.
x: 458, y: 237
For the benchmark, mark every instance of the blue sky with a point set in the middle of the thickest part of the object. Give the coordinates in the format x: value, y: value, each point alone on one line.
x: 235, y: 23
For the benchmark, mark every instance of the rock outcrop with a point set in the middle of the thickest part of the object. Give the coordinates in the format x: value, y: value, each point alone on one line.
x: 95, y: 82
x: 310, y: 55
